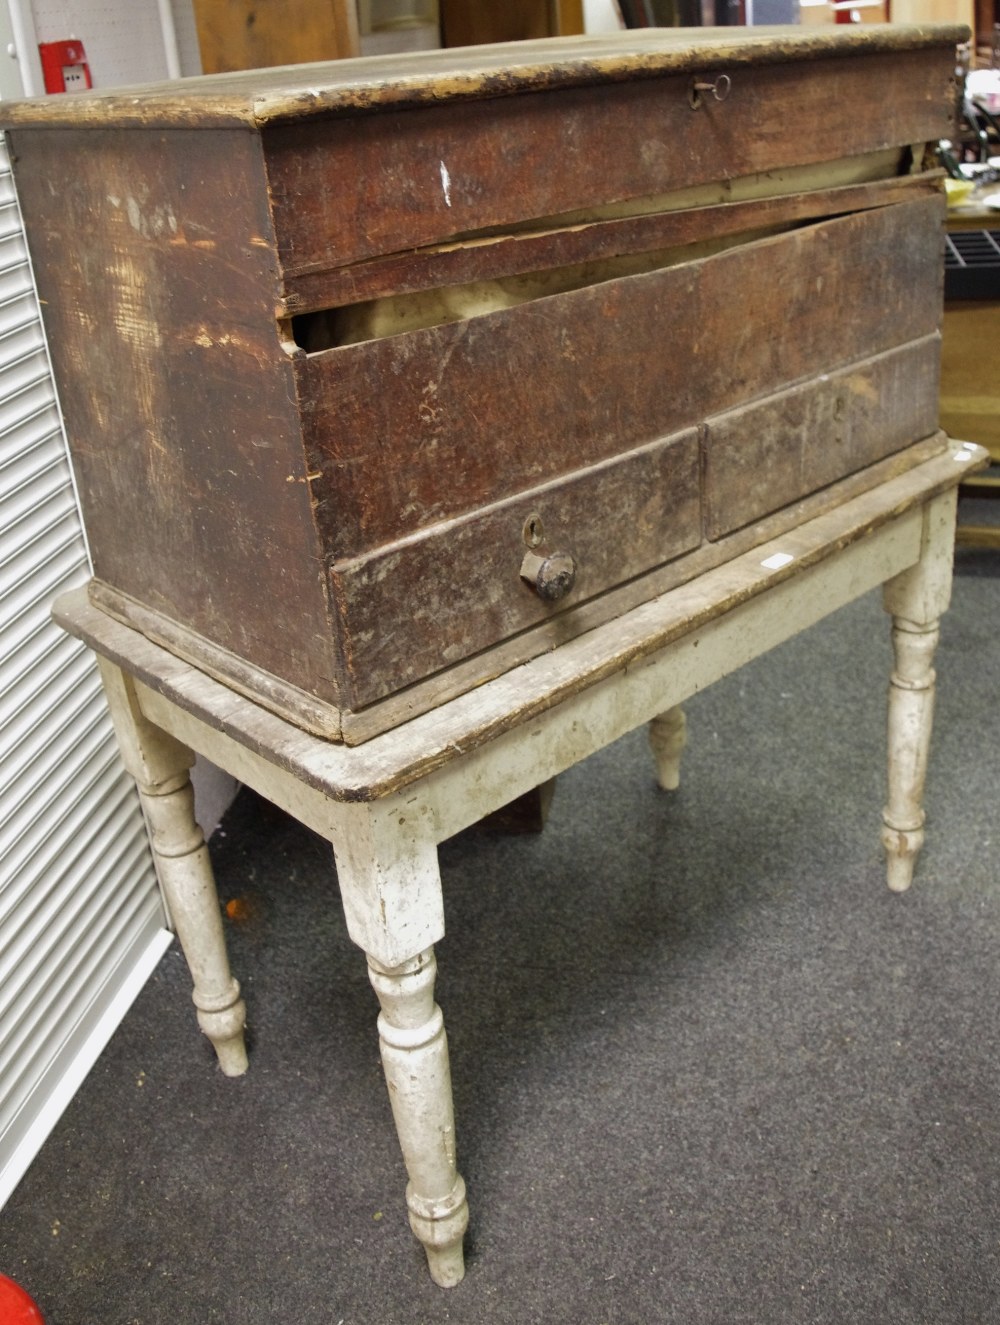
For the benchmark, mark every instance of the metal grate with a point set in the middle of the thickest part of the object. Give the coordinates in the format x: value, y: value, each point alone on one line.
x: 972, y: 264
x: 81, y: 921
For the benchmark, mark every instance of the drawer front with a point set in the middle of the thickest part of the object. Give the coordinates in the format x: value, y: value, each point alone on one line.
x: 431, y: 425
x: 347, y: 189
x: 438, y: 447
x: 763, y: 456
x: 413, y: 608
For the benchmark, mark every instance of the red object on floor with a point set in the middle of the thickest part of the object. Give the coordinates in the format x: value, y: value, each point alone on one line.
x: 16, y: 1307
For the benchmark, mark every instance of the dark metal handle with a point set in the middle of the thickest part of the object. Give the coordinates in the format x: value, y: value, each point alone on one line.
x: 551, y: 577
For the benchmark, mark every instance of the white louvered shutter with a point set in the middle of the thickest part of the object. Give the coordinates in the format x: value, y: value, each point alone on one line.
x: 81, y: 920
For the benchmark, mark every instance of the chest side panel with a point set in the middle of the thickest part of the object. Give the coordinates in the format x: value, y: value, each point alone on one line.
x: 156, y: 270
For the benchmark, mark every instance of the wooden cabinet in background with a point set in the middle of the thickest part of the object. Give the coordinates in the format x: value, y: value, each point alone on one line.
x: 244, y: 34
x: 475, y: 22
x: 970, y: 392
x: 932, y: 11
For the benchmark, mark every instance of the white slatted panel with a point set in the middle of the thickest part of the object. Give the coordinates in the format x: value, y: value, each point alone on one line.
x: 81, y: 922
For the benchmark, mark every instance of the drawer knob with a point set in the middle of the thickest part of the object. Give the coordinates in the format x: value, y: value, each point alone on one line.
x: 551, y: 577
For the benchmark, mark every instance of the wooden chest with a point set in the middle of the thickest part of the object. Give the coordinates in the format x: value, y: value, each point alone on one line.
x: 381, y: 377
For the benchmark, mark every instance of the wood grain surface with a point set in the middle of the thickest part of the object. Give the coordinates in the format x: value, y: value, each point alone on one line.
x: 502, y: 70
x: 178, y: 399
x: 390, y: 762
x: 425, y: 175
x: 558, y: 383
x: 338, y: 526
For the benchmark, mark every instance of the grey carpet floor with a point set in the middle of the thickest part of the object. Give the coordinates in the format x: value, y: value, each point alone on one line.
x: 707, y: 1068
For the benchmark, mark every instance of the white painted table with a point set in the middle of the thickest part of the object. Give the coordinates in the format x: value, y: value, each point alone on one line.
x: 386, y: 805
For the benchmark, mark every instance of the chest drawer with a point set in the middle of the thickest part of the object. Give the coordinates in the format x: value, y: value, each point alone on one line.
x: 602, y: 406
x: 382, y: 377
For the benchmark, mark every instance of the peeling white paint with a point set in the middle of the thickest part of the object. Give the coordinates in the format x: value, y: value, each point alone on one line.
x: 446, y: 184
x: 778, y: 560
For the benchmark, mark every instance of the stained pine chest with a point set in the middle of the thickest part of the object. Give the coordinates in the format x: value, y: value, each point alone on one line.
x: 382, y: 377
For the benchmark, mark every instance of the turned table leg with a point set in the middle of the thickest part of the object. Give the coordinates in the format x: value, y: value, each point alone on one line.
x: 390, y: 886
x: 160, y: 766
x: 915, y: 599
x: 667, y: 734
x: 415, y: 1058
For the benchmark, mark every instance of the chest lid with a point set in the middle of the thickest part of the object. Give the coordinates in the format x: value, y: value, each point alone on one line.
x: 266, y: 96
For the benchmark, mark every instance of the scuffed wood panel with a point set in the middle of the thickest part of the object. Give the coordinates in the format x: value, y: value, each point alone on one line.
x: 294, y: 92
x: 179, y: 400
x: 599, y: 240
x: 456, y: 417
x: 338, y: 531
x: 761, y: 457
x: 344, y: 190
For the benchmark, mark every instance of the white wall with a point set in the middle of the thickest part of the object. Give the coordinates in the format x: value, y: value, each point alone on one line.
x: 126, y: 41
x: 600, y: 16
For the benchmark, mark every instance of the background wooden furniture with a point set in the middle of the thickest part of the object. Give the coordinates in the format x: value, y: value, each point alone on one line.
x: 470, y: 22
x: 986, y: 26
x: 970, y: 334
x: 246, y: 34
x: 932, y: 11
x: 970, y: 390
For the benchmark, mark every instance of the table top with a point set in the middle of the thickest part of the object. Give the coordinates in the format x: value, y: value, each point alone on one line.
x: 387, y: 763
